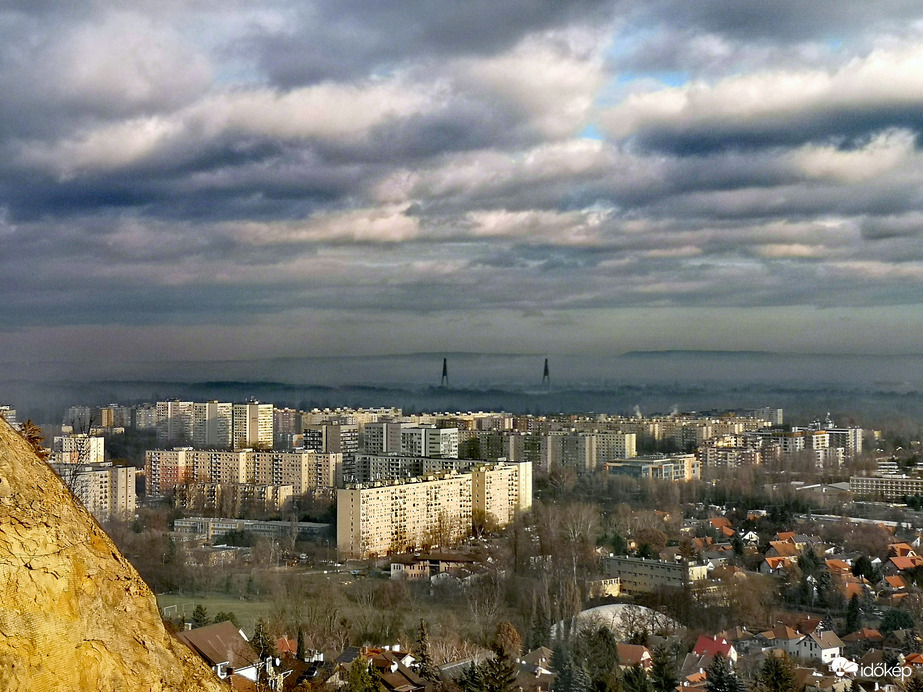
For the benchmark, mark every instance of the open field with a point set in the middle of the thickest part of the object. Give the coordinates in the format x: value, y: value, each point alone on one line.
x: 360, y: 608
x: 246, y: 611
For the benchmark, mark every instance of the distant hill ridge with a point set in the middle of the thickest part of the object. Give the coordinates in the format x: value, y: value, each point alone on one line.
x: 681, y: 352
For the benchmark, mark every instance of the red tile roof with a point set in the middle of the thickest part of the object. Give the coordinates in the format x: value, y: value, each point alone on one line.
x: 784, y: 548
x: 901, y: 550
x: 865, y: 634
x: 838, y: 565
x: 781, y: 632
x: 903, y: 563
x: 634, y: 655
x: 711, y: 646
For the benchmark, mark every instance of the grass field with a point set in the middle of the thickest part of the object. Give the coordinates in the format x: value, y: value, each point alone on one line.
x: 247, y: 612
x: 373, y: 608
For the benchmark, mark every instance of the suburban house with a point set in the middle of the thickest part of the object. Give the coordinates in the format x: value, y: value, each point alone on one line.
x: 224, y: 648
x: 783, y: 638
x: 824, y: 646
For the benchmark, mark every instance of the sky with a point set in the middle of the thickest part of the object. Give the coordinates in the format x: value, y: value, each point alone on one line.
x: 213, y: 179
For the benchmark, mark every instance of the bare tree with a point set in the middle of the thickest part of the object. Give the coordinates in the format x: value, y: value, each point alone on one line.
x: 485, y: 597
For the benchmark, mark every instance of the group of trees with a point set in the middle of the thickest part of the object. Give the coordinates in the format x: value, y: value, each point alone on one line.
x: 497, y: 673
x: 588, y: 661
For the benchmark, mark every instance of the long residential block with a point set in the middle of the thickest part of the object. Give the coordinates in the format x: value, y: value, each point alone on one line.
x: 165, y: 469
x: 381, y: 518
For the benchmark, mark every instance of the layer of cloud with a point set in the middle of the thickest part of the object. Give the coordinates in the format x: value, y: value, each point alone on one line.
x: 220, y: 163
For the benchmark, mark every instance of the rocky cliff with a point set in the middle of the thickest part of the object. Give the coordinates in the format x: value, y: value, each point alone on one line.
x: 74, y: 614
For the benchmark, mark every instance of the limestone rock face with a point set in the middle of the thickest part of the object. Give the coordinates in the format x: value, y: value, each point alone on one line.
x: 74, y: 614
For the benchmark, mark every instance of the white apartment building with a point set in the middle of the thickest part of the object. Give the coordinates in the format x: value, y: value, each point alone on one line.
x: 385, y: 519
x: 303, y: 470
x: 615, y: 445
x: 379, y: 519
x: 232, y: 498
x: 212, y: 424
x: 368, y: 468
x: 79, y: 418
x: 430, y: 441
x: 383, y: 437
x: 773, y: 416
x: 112, y: 416
x: 722, y: 456
x: 108, y: 492
x: 891, y: 487
x: 78, y: 449
x: 8, y: 413
x: 501, y: 491
x: 144, y: 417
x: 210, y: 528
x: 174, y: 422
x: 252, y: 425
x: 340, y: 438
x: 849, y: 438
x: 286, y: 420
x: 578, y: 451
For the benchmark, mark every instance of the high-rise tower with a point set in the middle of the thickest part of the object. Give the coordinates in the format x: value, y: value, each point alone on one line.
x: 445, y: 373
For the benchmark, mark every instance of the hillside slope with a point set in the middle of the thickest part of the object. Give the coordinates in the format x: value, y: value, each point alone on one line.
x: 74, y: 614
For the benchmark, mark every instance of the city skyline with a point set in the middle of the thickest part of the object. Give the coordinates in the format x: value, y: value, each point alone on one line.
x: 223, y: 182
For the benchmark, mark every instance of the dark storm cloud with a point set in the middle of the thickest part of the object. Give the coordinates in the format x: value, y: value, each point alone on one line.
x: 799, y: 20
x: 848, y: 126
x: 347, y: 40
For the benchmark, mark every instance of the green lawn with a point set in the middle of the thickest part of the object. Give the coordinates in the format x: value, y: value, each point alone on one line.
x: 247, y: 612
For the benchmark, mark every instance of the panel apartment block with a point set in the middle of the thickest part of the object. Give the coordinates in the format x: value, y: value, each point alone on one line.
x: 303, y: 470
x: 638, y: 575
x: 388, y: 518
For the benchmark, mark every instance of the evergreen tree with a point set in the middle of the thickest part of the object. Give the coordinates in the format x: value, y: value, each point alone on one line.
x: 909, y: 643
x: 223, y: 616
x: 597, y: 650
x: 302, y: 649
x: 200, y: 616
x: 361, y: 677
x: 540, y: 631
x: 914, y: 683
x: 500, y: 671
x: 471, y: 679
x: 570, y: 675
x: 721, y: 678
x: 738, y: 545
x: 853, y: 614
x: 663, y: 670
x: 562, y: 663
x: 635, y: 680
x: 895, y: 619
x: 425, y: 666
x: 863, y: 567
x: 809, y: 563
x: 777, y: 674
x: 580, y: 681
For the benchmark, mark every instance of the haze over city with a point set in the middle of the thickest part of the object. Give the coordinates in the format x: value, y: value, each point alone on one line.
x: 202, y: 181
x: 461, y: 346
